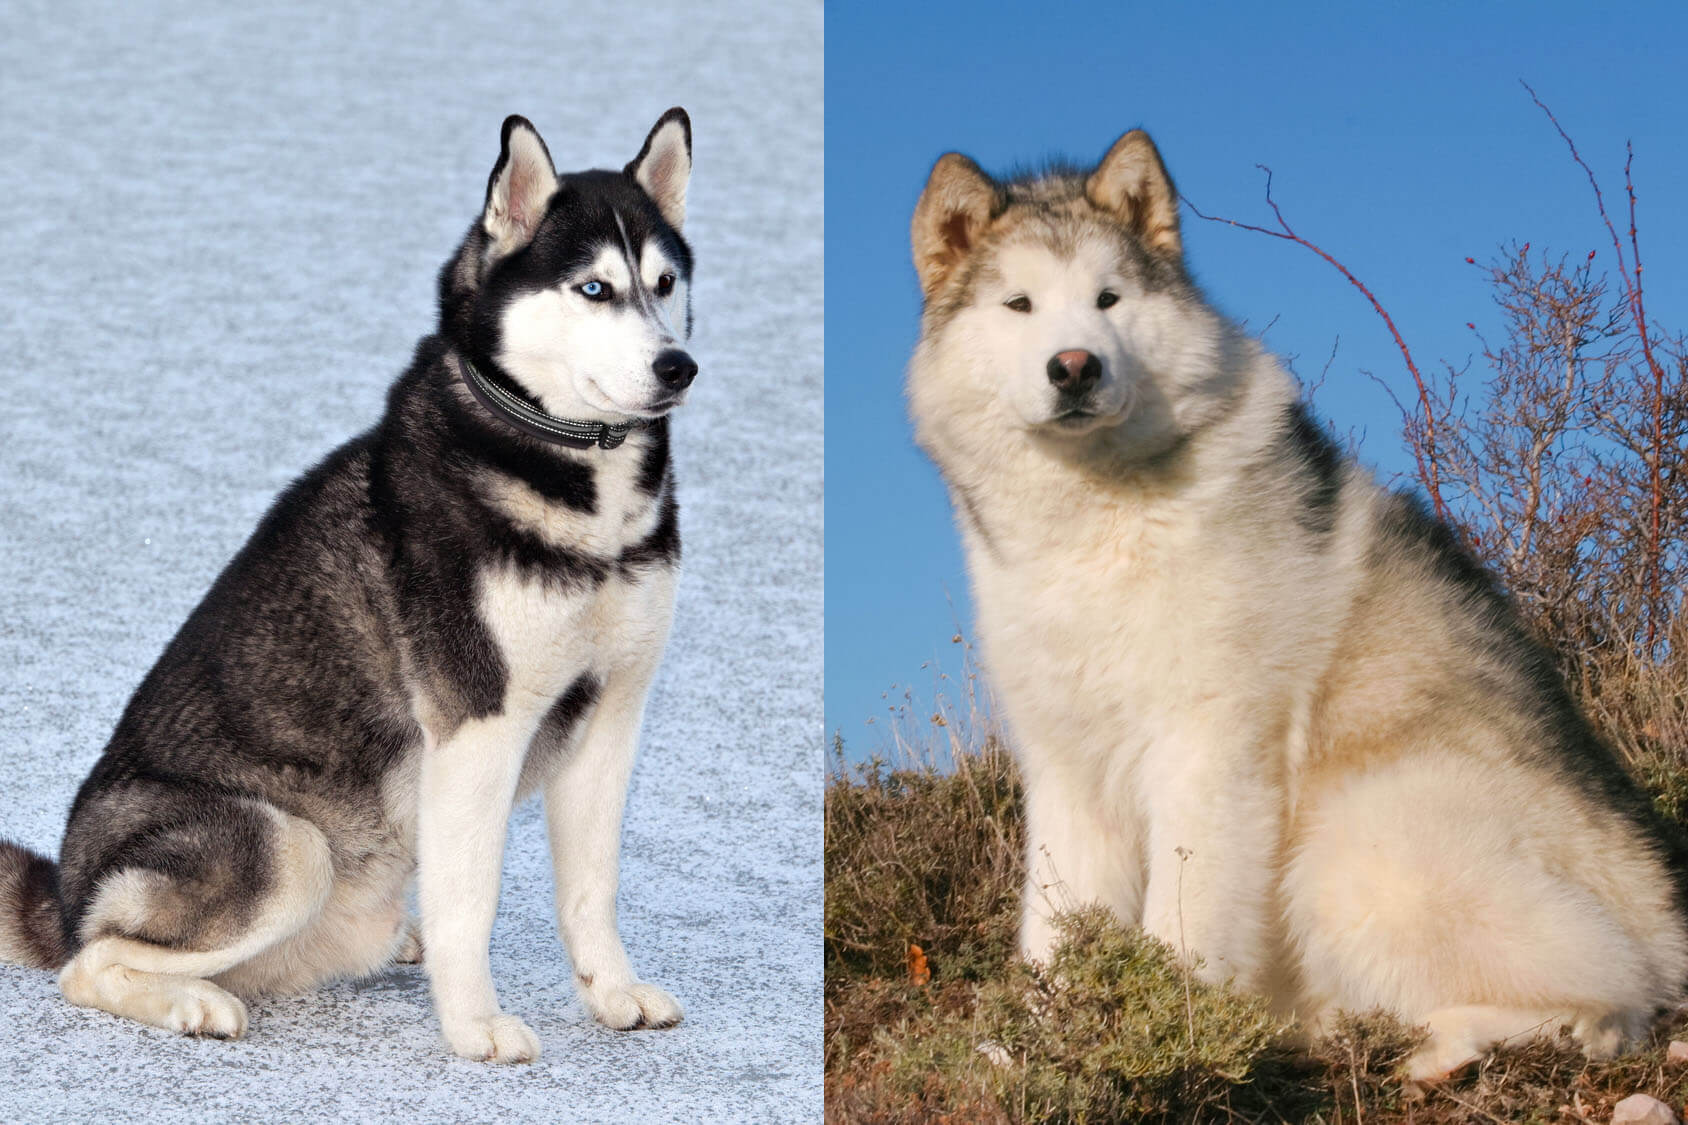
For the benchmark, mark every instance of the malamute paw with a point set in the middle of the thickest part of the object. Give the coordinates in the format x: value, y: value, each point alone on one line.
x: 410, y: 945
x: 201, y: 1008
x: 631, y: 1006
x: 1439, y: 1060
x: 500, y: 1038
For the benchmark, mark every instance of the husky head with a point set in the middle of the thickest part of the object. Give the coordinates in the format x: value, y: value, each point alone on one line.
x: 575, y: 289
x: 1058, y: 309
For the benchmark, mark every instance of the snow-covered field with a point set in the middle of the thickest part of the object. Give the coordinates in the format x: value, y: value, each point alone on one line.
x: 221, y: 229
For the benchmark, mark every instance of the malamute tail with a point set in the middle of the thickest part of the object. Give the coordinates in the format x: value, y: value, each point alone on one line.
x: 31, y: 930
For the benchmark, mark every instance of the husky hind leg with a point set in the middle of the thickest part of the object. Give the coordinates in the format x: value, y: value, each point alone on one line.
x: 186, y: 907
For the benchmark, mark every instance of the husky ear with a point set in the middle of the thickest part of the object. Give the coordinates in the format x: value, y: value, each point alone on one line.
x: 954, y: 210
x: 664, y: 166
x: 521, y: 184
x: 1132, y: 183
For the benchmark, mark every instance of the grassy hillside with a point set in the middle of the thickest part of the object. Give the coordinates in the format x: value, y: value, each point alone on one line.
x: 930, y: 1018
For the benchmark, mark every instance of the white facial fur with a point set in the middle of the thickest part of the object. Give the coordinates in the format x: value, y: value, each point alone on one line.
x: 1154, y: 366
x: 592, y: 360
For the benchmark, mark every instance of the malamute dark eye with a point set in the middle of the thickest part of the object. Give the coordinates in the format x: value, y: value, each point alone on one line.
x: 1107, y: 299
x: 1021, y: 303
x: 597, y: 291
x: 665, y: 285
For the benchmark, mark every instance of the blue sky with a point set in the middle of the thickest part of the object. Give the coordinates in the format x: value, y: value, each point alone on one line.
x: 1401, y: 142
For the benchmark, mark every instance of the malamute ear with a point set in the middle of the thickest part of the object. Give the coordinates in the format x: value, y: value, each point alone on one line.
x: 1132, y: 183
x: 664, y: 166
x: 953, y: 212
x: 521, y: 184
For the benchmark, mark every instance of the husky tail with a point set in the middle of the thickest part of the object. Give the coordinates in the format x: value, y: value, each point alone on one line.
x: 31, y: 928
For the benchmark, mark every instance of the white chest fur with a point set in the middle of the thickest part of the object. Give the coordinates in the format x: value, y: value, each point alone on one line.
x: 550, y: 633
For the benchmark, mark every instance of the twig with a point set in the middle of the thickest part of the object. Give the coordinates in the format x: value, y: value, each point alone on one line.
x: 1462, y: 1102
x: 1428, y: 469
x: 1354, y: 1078
x: 1629, y: 273
x: 1183, y: 951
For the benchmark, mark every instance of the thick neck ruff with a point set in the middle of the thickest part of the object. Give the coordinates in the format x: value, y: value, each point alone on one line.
x: 534, y: 422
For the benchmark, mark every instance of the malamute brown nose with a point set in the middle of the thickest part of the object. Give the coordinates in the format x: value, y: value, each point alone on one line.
x: 674, y: 369
x: 1074, y: 371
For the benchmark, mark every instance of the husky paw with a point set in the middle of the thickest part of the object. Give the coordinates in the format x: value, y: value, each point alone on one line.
x: 633, y: 1005
x: 409, y: 951
x: 201, y: 1008
x: 499, y: 1038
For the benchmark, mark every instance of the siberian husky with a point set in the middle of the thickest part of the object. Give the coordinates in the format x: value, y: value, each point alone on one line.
x: 462, y: 606
x: 1267, y: 709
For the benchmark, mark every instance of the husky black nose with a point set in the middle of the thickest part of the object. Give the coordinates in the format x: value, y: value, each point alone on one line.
x: 1075, y: 370
x: 675, y: 369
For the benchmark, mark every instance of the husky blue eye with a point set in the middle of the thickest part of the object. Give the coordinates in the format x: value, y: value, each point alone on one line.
x: 595, y: 291
x: 1107, y: 299
x: 1019, y: 304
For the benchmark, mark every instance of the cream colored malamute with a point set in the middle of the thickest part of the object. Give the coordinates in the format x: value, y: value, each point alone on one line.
x: 1264, y: 707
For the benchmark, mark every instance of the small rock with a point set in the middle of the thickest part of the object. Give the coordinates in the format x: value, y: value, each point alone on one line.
x: 995, y: 1053
x: 1678, y: 1051
x: 1640, y: 1109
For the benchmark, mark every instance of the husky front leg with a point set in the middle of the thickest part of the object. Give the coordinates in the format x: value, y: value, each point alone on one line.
x: 583, y: 805
x: 468, y: 782
x: 1214, y: 811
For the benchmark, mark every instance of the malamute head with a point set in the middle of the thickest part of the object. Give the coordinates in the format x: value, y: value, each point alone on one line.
x: 575, y: 290
x: 1058, y: 310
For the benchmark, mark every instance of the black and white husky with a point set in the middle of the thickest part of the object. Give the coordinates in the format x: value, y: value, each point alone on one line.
x: 461, y: 606
x: 1264, y: 707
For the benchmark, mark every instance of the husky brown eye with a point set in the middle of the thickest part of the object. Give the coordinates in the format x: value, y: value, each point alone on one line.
x: 665, y: 285
x: 1107, y: 299
x: 1021, y: 303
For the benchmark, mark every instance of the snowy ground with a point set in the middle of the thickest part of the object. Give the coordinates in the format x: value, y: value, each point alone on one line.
x: 221, y: 231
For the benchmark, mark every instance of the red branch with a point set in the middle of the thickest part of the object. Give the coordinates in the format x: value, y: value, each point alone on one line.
x: 1428, y: 469
x: 1630, y: 274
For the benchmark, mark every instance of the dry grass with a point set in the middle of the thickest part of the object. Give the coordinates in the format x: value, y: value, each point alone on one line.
x: 1114, y: 1029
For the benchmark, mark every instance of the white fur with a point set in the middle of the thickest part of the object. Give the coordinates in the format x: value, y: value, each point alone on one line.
x: 592, y: 360
x: 548, y: 635
x: 1162, y: 648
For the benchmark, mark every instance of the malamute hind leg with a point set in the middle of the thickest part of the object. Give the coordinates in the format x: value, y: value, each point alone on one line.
x: 1407, y: 892
x: 154, y: 941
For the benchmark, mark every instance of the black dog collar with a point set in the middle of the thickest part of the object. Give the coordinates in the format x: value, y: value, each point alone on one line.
x: 535, y: 422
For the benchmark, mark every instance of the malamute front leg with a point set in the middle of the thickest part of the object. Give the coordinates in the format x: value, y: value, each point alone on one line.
x: 1212, y: 841
x: 467, y: 785
x: 1076, y: 854
x: 583, y: 805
